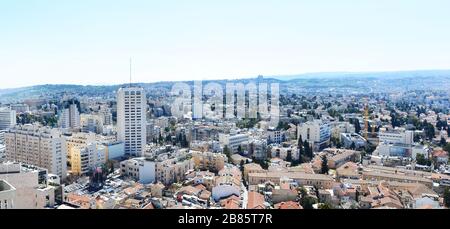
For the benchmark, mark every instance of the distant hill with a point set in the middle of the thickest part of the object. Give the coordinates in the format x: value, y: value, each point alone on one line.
x: 386, y: 75
x: 312, y: 82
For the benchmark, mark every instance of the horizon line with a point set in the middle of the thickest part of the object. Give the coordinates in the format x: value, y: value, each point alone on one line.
x: 288, y: 77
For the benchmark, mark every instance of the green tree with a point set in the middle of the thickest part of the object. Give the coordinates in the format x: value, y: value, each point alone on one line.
x: 353, y: 146
x: 421, y: 160
x: 242, y: 165
x: 308, y: 202
x: 168, y: 138
x: 443, y: 142
x: 430, y: 132
x: 447, y: 197
x: 356, y: 123
x: 325, y: 168
x: 300, y: 149
x: 308, y: 150
x: 325, y: 206
x: 227, y: 152
x: 240, y: 151
x: 300, y: 142
x: 289, y: 157
x: 160, y: 139
x: 447, y: 147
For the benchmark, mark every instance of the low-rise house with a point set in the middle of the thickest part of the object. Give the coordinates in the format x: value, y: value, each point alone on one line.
x: 440, y: 156
x: 286, y: 191
x: 350, y: 140
x: 252, y: 168
x: 209, y: 160
x: 204, y: 178
x: 349, y: 170
x: 288, y: 205
x: 157, y: 190
x: 304, y: 168
x: 238, y: 159
x: 382, y: 176
x: 83, y: 201
x: 228, y: 183
x: 341, y: 157
x: 256, y: 201
x: 303, y: 179
x: 230, y: 203
x: 381, y: 197
x: 325, y: 196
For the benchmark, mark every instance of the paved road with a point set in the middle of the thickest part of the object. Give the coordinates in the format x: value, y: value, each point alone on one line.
x: 244, y: 196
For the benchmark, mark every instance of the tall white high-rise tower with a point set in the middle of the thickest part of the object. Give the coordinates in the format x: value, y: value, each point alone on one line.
x: 131, y: 119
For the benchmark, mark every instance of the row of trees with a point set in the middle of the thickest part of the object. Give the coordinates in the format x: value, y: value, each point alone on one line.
x: 27, y: 118
x: 305, y: 151
x: 180, y: 140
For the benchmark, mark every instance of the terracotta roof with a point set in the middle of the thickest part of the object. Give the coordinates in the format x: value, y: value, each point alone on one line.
x: 255, y: 201
x: 200, y: 187
x: 348, y: 169
x: 231, y: 202
x: 149, y: 206
x: 205, y: 195
x: 189, y: 190
x: 440, y: 153
x: 288, y: 205
x: 83, y: 201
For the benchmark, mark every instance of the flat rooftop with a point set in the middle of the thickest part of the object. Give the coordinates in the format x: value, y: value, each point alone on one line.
x: 5, y: 186
x: 292, y: 175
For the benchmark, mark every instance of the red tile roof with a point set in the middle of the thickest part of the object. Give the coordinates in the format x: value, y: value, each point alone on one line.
x: 288, y: 205
x: 255, y: 201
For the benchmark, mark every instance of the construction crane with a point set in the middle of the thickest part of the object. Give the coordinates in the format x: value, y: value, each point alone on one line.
x: 374, y: 129
x: 366, y: 119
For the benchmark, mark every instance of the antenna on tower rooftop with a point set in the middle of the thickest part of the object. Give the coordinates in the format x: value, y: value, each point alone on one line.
x: 131, y: 62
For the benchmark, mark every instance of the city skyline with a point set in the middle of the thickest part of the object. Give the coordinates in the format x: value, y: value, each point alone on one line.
x: 89, y: 43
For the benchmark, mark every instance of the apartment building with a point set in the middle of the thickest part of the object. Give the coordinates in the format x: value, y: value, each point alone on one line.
x: 275, y: 136
x: 167, y: 170
x: 338, y: 128
x: 257, y: 149
x: 140, y: 169
x: 131, y: 120
x: 91, y: 123
x: 39, y: 146
x: 69, y: 118
x: 20, y: 108
x: 78, y: 140
x: 233, y: 141
x: 357, y: 141
x: 283, y: 151
x: 30, y: 184
x: 228, y: 183
x: 173, y: 170
x: 7, y: 195
x: 397, y: 136
x: 7, y: 118
x: 209, y: 161
x: 85, y: 159
x: 316, y: 132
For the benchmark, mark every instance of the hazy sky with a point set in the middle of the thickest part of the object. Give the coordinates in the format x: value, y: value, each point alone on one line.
x: 91, y: 41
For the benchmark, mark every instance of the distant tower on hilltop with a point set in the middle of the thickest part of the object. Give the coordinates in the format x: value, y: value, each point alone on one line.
x: 260, y: 78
